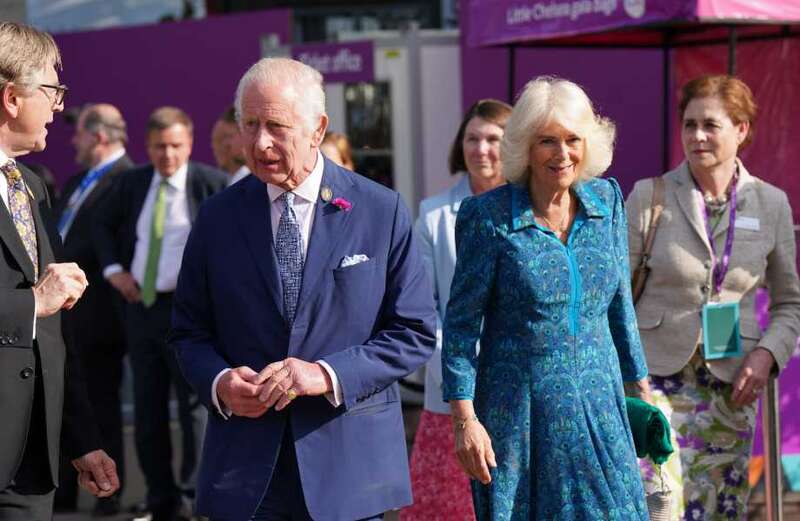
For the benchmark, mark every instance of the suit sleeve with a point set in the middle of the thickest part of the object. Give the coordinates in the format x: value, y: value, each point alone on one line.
x: 621, y: 313
x: 470, y: 292
x: 79, y: 431
x: 407, y: 337
x: 193, y: 335
x: 784, y: 289
x: 106, y: 228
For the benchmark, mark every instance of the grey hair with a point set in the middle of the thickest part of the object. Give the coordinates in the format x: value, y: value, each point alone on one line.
x: 548, y: 99
x: 107, y: 119
x: 301, y: 81
x: 25, y: 53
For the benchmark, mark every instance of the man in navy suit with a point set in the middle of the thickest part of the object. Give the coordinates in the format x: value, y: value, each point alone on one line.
x: 301, y: 301
x: 140, y: 232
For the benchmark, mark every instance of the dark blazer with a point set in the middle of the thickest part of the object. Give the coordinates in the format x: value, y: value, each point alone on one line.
x: 94, y: 318
x: 114, y: 232
x: 62, y: 384
x: 372, y: 322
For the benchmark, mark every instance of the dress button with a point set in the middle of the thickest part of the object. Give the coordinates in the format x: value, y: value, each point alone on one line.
x: 26, y: 373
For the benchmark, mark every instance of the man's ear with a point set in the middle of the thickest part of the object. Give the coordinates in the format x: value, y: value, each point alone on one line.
x: 10, y: 100
x: 319, y: 133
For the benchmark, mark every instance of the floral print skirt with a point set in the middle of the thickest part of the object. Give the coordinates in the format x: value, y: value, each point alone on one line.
x: 713, y: 440
x: 440, y: 487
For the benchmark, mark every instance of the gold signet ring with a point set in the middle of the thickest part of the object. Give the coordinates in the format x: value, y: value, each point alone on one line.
x: 291, y: 394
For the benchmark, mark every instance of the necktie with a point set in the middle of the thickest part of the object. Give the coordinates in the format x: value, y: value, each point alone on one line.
x: 288, y: 249
x: 154, y: 247
x: 20, y: 209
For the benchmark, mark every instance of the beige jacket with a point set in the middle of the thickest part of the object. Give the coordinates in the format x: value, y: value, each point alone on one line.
x: 669, y: 310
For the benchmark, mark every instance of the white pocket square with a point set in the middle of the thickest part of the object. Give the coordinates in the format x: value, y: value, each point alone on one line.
x: 352, y: 260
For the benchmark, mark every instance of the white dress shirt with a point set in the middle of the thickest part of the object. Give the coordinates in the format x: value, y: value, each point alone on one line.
x: 304, y: 205
x: 80, y: 197
x: 177, y: 225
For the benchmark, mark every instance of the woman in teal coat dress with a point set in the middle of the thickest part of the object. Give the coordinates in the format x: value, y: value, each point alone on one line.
x: 542, y: 279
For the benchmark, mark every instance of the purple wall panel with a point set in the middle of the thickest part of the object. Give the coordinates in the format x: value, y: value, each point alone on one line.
x: 193, y: 65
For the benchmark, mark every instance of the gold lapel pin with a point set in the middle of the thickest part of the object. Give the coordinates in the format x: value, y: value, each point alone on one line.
x: 326, y: 194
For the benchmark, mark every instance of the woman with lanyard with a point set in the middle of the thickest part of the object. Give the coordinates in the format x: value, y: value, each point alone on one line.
x: 723, y: 233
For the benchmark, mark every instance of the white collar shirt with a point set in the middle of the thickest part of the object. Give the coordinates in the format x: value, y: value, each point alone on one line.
x: 4, y: 190
x: 78, y: 197
x: 177, y: 225
x: 304, y: 202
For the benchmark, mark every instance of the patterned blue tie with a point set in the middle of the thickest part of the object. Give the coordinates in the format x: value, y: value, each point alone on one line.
x: 289, y: 250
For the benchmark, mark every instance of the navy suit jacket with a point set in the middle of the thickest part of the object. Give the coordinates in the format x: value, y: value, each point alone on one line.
x: 373, y: 323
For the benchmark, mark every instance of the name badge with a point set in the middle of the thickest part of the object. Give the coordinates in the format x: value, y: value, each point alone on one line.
x: 748, y: 223
x: 721, y: 335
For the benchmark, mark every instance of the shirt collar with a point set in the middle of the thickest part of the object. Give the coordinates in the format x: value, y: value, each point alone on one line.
x: 308, y: 189
x: 4, y: 158
x: 107, y: 161
x: 176, y: 180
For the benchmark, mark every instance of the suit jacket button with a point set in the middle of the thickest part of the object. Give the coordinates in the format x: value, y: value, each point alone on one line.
x: 26, y: 373
x: 704, y: 288
x: 3, y: 341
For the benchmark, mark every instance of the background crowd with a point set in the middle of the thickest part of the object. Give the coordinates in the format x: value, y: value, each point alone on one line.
x: 529, y: 257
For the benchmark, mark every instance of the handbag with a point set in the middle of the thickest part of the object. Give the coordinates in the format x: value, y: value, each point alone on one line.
x: 639, y: 276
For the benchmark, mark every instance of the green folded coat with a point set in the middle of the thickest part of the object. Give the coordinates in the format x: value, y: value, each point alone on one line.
x: 651, y: 430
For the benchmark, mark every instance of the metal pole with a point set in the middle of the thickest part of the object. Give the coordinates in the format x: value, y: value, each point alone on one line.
x: 770, y: 422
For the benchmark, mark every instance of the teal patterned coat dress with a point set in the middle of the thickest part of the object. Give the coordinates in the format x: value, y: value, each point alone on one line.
x: 558, y: 336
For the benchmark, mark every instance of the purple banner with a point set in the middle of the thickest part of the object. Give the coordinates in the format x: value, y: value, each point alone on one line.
x: 194, y: 65
x: 494, y: 22
x: 349, y: 62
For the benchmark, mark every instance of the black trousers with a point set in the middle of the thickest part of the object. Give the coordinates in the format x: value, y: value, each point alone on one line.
x: 155, y: 373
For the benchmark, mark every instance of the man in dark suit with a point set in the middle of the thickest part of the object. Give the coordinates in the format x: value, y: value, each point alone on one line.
x: 94, y: 327
x: 302, y: 300
x: 140, y: 233
x: 39, y: 383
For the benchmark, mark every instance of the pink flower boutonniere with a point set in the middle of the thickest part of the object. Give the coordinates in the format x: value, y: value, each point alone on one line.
x: 343, y: 204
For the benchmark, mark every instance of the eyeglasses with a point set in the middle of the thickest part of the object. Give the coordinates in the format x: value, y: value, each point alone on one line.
x: 61, y: 92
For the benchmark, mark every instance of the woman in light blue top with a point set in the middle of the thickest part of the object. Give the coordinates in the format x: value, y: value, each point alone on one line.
x: 440, y: 487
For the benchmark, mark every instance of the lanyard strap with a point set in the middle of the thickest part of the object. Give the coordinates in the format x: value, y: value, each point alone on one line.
x: 720, y: 265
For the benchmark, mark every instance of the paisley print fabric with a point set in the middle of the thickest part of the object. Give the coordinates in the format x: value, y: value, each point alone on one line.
x: 707, y: 473
x: 20, y: 209
x: 558, y: 336
x: 439, y: 484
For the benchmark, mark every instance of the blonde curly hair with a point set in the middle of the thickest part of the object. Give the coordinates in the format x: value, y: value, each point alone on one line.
x: 549, y: 99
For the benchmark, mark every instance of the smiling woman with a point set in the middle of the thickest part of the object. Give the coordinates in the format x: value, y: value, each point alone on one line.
x: 542, y: 280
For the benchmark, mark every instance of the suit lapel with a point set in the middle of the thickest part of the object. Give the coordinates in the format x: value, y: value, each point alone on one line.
x: 329, y: 226
x: 193, y: 195
x: 687, y: 200
x: 256, y: 224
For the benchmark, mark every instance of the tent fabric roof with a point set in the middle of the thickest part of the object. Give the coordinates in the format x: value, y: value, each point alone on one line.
x: 497, y: 22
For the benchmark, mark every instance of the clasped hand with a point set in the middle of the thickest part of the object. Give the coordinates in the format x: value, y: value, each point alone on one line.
x: 251, y: 394
x: 59, y: 287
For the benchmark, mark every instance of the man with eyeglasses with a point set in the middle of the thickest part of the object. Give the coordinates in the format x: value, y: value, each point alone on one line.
x: 39, y: 386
